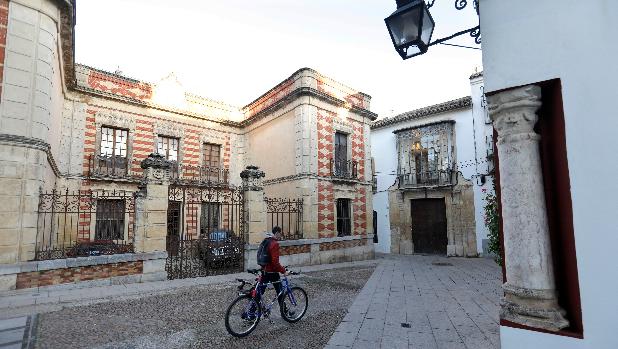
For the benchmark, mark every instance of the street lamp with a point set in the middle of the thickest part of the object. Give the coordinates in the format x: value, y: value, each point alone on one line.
x: 411, y: 27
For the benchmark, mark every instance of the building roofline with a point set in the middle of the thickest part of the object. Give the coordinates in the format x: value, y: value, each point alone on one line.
x: 476, y: 75
x: 455, y: 104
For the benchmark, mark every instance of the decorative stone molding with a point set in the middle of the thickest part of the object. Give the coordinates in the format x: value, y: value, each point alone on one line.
x: 530, y: 292
x: 252, y: 178
x: 34, y: 143
x: 156, y: 167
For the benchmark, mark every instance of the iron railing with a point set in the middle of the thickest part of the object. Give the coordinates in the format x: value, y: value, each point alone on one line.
x: 102, y: 166
x: 426, y: 179
x: 205, y: 231
x: 286, y: 214
x: 374, y: 183
x: 344, y: 169
x: 199, y: 175
x: 84, y: 223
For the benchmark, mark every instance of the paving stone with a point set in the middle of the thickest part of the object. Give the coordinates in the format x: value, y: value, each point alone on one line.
x: 443, y: 306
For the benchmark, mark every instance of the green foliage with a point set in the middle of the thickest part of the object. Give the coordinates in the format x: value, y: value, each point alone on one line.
x: 492, y: 221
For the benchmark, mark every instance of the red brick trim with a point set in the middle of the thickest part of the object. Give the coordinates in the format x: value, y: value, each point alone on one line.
x: 69, y: 275
x: 288, y: 250
x: 337, y: 245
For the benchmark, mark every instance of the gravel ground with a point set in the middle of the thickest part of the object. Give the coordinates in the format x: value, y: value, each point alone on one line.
x: 193, y: 317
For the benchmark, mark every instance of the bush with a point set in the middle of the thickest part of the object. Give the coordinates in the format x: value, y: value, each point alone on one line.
x: 492, y: 222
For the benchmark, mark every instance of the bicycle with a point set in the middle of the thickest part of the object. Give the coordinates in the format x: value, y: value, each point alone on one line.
x: 245, y: 312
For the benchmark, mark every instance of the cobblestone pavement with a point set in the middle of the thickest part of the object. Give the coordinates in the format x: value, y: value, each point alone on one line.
x: 192, y: 317
x: 425, y: 302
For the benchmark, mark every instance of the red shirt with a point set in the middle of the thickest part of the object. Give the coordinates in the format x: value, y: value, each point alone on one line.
x: 274, y: 266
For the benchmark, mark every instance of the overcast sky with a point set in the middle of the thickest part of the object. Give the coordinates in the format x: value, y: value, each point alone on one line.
x: 235, y: 50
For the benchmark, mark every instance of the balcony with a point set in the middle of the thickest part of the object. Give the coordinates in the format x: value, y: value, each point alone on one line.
x: 374, y: 184
x: 426, y: 179
x: 344, y: 169
x: 199, y: 175
x: 108, y: 167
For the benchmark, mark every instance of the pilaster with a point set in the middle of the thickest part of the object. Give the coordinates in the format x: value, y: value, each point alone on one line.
x: 530, y: 293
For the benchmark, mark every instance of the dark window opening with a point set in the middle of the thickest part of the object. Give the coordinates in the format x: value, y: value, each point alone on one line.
x: 210, y: 219
x: 344, y: 220
x: 375, y: 227
x: 109, y: 220
x: 341, y: 154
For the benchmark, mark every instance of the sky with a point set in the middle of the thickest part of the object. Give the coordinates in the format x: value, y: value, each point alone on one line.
x: 236, y: 50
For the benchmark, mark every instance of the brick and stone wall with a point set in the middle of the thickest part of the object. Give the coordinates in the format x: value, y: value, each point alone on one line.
x: 99, y: 270
x: 72, y: 275
x: 318, y: 251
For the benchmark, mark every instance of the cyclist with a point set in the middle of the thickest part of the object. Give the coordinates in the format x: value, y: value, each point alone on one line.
x: 272, y: 267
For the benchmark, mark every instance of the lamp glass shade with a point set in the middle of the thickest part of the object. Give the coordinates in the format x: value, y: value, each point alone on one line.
x: 410, y: 28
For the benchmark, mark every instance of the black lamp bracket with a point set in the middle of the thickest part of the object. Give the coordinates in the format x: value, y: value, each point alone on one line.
x: 474, y: 32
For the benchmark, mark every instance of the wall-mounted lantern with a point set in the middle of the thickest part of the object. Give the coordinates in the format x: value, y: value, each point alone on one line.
x: 411, y: 27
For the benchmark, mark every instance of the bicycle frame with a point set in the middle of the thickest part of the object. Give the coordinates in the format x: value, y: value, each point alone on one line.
x: 262, y: 309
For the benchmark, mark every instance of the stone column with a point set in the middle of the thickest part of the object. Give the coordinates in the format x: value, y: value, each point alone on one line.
x: 151, y: 205
x: 254, y: 204
x: 530, y: 293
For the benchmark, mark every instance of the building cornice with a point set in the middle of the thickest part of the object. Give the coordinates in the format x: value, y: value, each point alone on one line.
x: 33, y: 143
x: 455, y: 104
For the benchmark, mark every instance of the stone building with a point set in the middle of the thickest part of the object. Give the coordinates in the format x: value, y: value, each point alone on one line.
x: 77, y: 134
x: 433, y: 169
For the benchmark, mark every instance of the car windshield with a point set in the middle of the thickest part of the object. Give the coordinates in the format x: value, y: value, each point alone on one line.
x: 218, y: 235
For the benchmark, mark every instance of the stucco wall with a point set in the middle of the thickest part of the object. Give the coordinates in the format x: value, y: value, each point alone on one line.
x: 519, y: 48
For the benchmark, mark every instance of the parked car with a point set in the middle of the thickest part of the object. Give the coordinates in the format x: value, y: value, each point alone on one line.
x: 221, y: 248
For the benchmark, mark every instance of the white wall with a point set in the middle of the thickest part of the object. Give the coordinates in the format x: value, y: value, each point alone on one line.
x: 528, y: 41
x: 482, y: 130
x: 384, y: 151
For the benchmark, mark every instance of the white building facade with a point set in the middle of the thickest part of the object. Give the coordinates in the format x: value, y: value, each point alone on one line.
x: 554, y: 84
x: 413, y: 166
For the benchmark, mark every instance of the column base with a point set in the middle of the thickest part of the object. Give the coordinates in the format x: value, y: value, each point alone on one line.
x: 533, y: 308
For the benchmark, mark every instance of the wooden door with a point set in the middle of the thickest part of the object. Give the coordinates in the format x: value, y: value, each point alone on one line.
x: 429, y: 226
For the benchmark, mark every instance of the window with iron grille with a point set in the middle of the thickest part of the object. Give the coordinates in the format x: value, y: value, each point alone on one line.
x: 341, y: 153
x: 110, y: 220
x: 212, y: 153
x: 168, y: 147
x: 113, y: 142
x: 344, y: 220
x: 112, y: 157
x: 210, y: 220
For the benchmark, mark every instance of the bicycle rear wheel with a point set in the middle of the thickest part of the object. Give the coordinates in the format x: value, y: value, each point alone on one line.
x: 242, y: 316
x: 295, y: 305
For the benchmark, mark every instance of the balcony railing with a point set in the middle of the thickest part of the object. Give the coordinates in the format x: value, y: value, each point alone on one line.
x: 426, y: 179
x: 374, y: 184
x: 121, y: 168
x: 344, y: 169
x: 201, y: 175
x: 108, y: 166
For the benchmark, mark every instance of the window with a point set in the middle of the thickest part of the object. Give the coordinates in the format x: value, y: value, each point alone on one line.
x: 112, y: 158
x: 344, y: 221
x: 212, y: 154
x: 425, y: 154
x: 113, y: 142
x: 341, y: 155
x: 210, y: 217
x: 109, y: 220
x: 168, y: 147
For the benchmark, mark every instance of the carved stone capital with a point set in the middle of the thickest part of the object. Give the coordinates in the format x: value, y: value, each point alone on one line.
x: 156, y: 160
x: 252, y: 178
x: 513, y: 112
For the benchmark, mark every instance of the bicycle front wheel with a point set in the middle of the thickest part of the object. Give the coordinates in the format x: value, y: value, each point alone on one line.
x: 242, y: 316
x: 295, y: 305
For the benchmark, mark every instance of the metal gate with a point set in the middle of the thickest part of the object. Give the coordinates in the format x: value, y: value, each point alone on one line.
x: 205, y: 231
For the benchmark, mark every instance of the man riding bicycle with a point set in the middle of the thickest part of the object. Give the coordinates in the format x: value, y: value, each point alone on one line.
x: 268, y: 259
